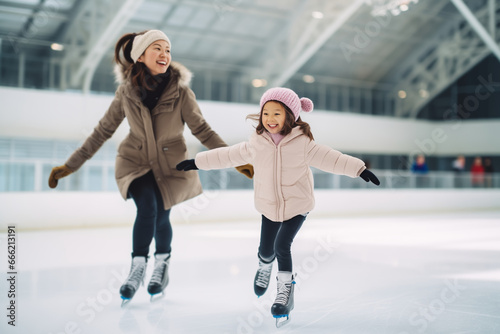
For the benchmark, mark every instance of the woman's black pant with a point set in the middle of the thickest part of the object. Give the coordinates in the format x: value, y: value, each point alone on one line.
x: 152, y: 219
x: 276, y: 240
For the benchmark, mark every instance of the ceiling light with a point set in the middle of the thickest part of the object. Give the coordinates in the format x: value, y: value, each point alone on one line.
x: 308, y: 78
x: 385, y: 7
x: 57, y: 47
x: 402, y: 94
x: 423, y: 93
x: 317, y: 15
x: 259, y: 83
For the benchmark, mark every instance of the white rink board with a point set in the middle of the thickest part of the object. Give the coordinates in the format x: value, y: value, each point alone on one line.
x: 49, y: 210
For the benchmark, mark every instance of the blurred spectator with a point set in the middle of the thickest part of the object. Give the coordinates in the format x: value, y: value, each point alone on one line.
x: 459, y: 164
x: 458, y: 167
x: 420, y: 168
x: 488, y: 173
x: 477, y: 172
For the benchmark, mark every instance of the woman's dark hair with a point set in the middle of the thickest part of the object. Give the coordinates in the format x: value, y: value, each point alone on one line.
x: 290, y: 122
x: 140, y: 75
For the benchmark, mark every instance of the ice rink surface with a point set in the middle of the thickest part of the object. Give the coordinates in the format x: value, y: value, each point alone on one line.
x: 421, y: 273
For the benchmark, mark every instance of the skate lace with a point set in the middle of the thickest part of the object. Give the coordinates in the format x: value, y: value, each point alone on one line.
x: 158, y: 272
x: 283, y: 293
x: 264, y: 273
x: 136, y: 275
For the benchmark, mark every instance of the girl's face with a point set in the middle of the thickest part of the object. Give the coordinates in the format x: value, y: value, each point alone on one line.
x: 273, y: 116
x: 157, y: 57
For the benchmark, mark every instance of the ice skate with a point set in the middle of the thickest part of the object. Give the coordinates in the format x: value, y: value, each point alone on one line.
x: 134, y: 279
x: 159, y: 279
x: 261, y: 281
x: 283, y: 304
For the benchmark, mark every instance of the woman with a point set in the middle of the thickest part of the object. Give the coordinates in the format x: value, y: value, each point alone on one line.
x: 155, y: 98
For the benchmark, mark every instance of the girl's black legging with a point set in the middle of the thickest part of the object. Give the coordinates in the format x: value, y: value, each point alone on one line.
x: 152, y: 219
x: 276, y: 240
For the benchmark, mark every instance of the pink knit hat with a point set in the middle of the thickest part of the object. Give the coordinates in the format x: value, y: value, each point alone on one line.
x: 289, y: 98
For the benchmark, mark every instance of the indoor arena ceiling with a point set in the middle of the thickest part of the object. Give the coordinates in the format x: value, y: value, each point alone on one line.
x: 271, y: 41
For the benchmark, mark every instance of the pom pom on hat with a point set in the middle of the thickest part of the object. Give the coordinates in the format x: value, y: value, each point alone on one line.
x: 306, y: 104
x: 289, y: 98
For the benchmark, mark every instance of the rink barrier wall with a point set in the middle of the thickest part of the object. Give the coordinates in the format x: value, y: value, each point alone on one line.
x: 67, y: 210
x: 77, y: 114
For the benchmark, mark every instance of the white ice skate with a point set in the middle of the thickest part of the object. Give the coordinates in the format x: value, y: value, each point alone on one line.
x: 283, y: 304
x: 159, y: 279
x: 261, y: 281
x: 134, y: 279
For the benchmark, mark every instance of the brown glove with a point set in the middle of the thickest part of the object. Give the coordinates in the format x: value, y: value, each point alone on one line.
x: 246, y: 170
x: 58, y: 173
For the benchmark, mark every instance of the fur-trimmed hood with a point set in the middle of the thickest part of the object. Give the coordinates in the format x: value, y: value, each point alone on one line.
x: 178, y: 72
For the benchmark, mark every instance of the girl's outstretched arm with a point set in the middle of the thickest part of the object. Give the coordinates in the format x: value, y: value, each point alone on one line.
x: 219, y: 158
x: 333, y: 161
x: 329, y: 160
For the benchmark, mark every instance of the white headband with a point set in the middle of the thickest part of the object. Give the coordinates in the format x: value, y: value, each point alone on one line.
x: 141, y: 42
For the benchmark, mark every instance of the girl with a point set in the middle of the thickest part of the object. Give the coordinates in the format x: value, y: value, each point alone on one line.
x: 281, y: 151
x: 155, y: 98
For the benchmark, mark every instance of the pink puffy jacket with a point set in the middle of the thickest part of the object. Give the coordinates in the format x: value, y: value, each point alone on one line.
x: 283, y: 181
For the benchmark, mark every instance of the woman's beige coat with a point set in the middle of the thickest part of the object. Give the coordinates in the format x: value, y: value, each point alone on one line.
x: 155, y: 141
x: 283, y: 181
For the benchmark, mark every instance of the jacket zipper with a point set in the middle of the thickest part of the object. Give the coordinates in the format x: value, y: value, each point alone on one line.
x: 276, y: 181
x: 280, y: 207
x: 277, y: 177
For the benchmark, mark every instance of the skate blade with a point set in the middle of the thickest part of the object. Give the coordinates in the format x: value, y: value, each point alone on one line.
x: 156, y: 297
x: 125, y: 301
x: 281, y: 319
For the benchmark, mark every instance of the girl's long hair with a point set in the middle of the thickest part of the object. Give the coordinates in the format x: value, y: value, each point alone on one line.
x: 140, y: 74
x: 290, y: 123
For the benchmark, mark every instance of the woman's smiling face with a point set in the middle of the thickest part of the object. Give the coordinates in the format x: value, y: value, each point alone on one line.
x: 157, y: 57
x: 273, y: 116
